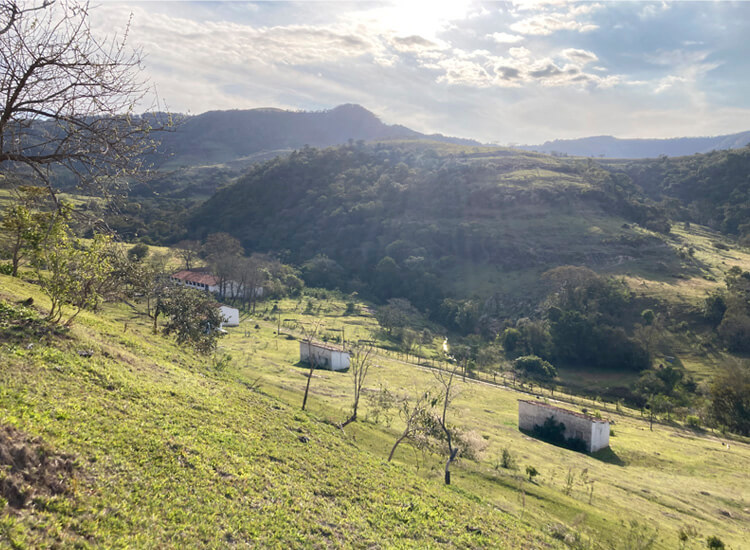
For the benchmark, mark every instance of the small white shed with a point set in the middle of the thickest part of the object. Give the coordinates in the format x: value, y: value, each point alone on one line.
x: 593, y: 431
x: 231, y: 316
x: 328, y: 357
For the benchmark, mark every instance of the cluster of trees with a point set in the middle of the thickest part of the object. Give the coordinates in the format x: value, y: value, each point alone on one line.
x: 728, y: 312
x: 393, y: 221
x: 242, y: 278
x: 711, y: 189
x: 78, y: 274
x: 587, y: 322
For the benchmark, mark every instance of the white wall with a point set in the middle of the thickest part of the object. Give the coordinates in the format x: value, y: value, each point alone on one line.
x: 231, y: 316
x: 599, y: 436
x: 595, y: 433
x: 324, y: 357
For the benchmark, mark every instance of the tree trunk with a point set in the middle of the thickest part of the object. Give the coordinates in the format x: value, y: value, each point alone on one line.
x: 395, y: 445
x: 451, y: 458
x: 307, y: 387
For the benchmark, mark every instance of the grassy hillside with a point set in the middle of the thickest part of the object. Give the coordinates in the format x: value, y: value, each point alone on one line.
x: 667, y: 479
x: 112, y: 437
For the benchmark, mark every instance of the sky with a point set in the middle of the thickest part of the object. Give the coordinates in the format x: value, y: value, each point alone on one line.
x: 498, y: 72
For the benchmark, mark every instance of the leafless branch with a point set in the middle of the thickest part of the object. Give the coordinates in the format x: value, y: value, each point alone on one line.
x: 68, y: 97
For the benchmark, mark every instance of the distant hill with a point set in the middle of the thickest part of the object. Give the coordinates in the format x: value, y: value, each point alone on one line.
x: 217, y: 137
x: 612, y: 147
x: 419, y: 219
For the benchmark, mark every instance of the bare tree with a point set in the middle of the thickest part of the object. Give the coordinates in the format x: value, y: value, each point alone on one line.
x: 252, y: 273
x: 359, y: 365
x: 310, y: 331
x: 10, y: 11
x: 414, y: 413
x: 188, y: 252
x: 446, y: 379
x: 223, y: 253
x: 67, y: 97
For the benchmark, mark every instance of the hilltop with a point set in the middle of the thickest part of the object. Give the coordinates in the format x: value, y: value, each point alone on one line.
x: 241, y: 137
x: 425, y: 221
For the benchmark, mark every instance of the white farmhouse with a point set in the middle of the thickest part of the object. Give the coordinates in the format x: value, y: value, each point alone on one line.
x: 195, y: 278
x: 202, y: 280
x: 231, y: 316
x: 593, y: 431
x: 328, y: 357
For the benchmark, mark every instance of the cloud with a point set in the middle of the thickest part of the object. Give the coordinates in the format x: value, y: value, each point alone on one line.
x: 580, y: 56
x: 414, y: 43
x: 428, y: 69
x: 669, y: 81
x: 547, y: 71
x: 507, y: 73
x: 505, y: 38
x: 547, y: 22
x: 463, y: 72
x: 650, y: 10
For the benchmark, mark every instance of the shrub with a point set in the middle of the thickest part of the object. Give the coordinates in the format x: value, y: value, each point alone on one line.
x: 507, y: 460
x: 472, y: 444
x: 714, y: 542
x: 534, y: 367
x: 693, y: 421
x: 532, y: 472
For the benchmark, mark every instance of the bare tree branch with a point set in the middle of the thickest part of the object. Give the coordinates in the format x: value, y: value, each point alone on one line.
x: 68, y: 97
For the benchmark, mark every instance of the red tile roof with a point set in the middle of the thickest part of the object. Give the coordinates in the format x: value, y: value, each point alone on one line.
x: 193, y: 276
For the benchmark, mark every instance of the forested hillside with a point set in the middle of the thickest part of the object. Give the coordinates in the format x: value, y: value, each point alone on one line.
x: 712, y: 189
x: 406, y: 220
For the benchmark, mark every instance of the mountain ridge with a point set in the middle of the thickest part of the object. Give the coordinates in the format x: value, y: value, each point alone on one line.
x: 636, y: 148
x: 217, y: 137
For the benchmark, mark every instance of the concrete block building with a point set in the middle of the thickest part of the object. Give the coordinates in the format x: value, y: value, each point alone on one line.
x: 328, y: 357
x: 593, y: 431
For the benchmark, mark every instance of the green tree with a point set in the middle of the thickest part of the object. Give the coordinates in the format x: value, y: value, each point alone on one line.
x: 70, y: 272
x: 193, y: 317
x: 23, y: 224
x: 398, y: 313
x: 730, y: 397
x: 534, y: 368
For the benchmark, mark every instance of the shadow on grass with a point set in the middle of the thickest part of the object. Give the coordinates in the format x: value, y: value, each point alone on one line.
x: 305, y: 365
x: 609, y: 456
x: 604, y: 455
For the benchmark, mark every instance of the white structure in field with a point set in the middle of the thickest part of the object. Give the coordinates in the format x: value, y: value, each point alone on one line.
x: 593, y: 431
x: 324, y: 356
x: 231, y: 316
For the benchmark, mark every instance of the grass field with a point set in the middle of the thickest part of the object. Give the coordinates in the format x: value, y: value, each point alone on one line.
x: 668, y: 479
x: 171, y: 451
x: 113, y: 437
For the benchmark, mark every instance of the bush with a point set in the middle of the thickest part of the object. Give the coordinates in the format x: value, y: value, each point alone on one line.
x: 714, y: 542
x: 532, y: 473
x: 693, y: 421
x: 507, y: 460
x: 534, y: 367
